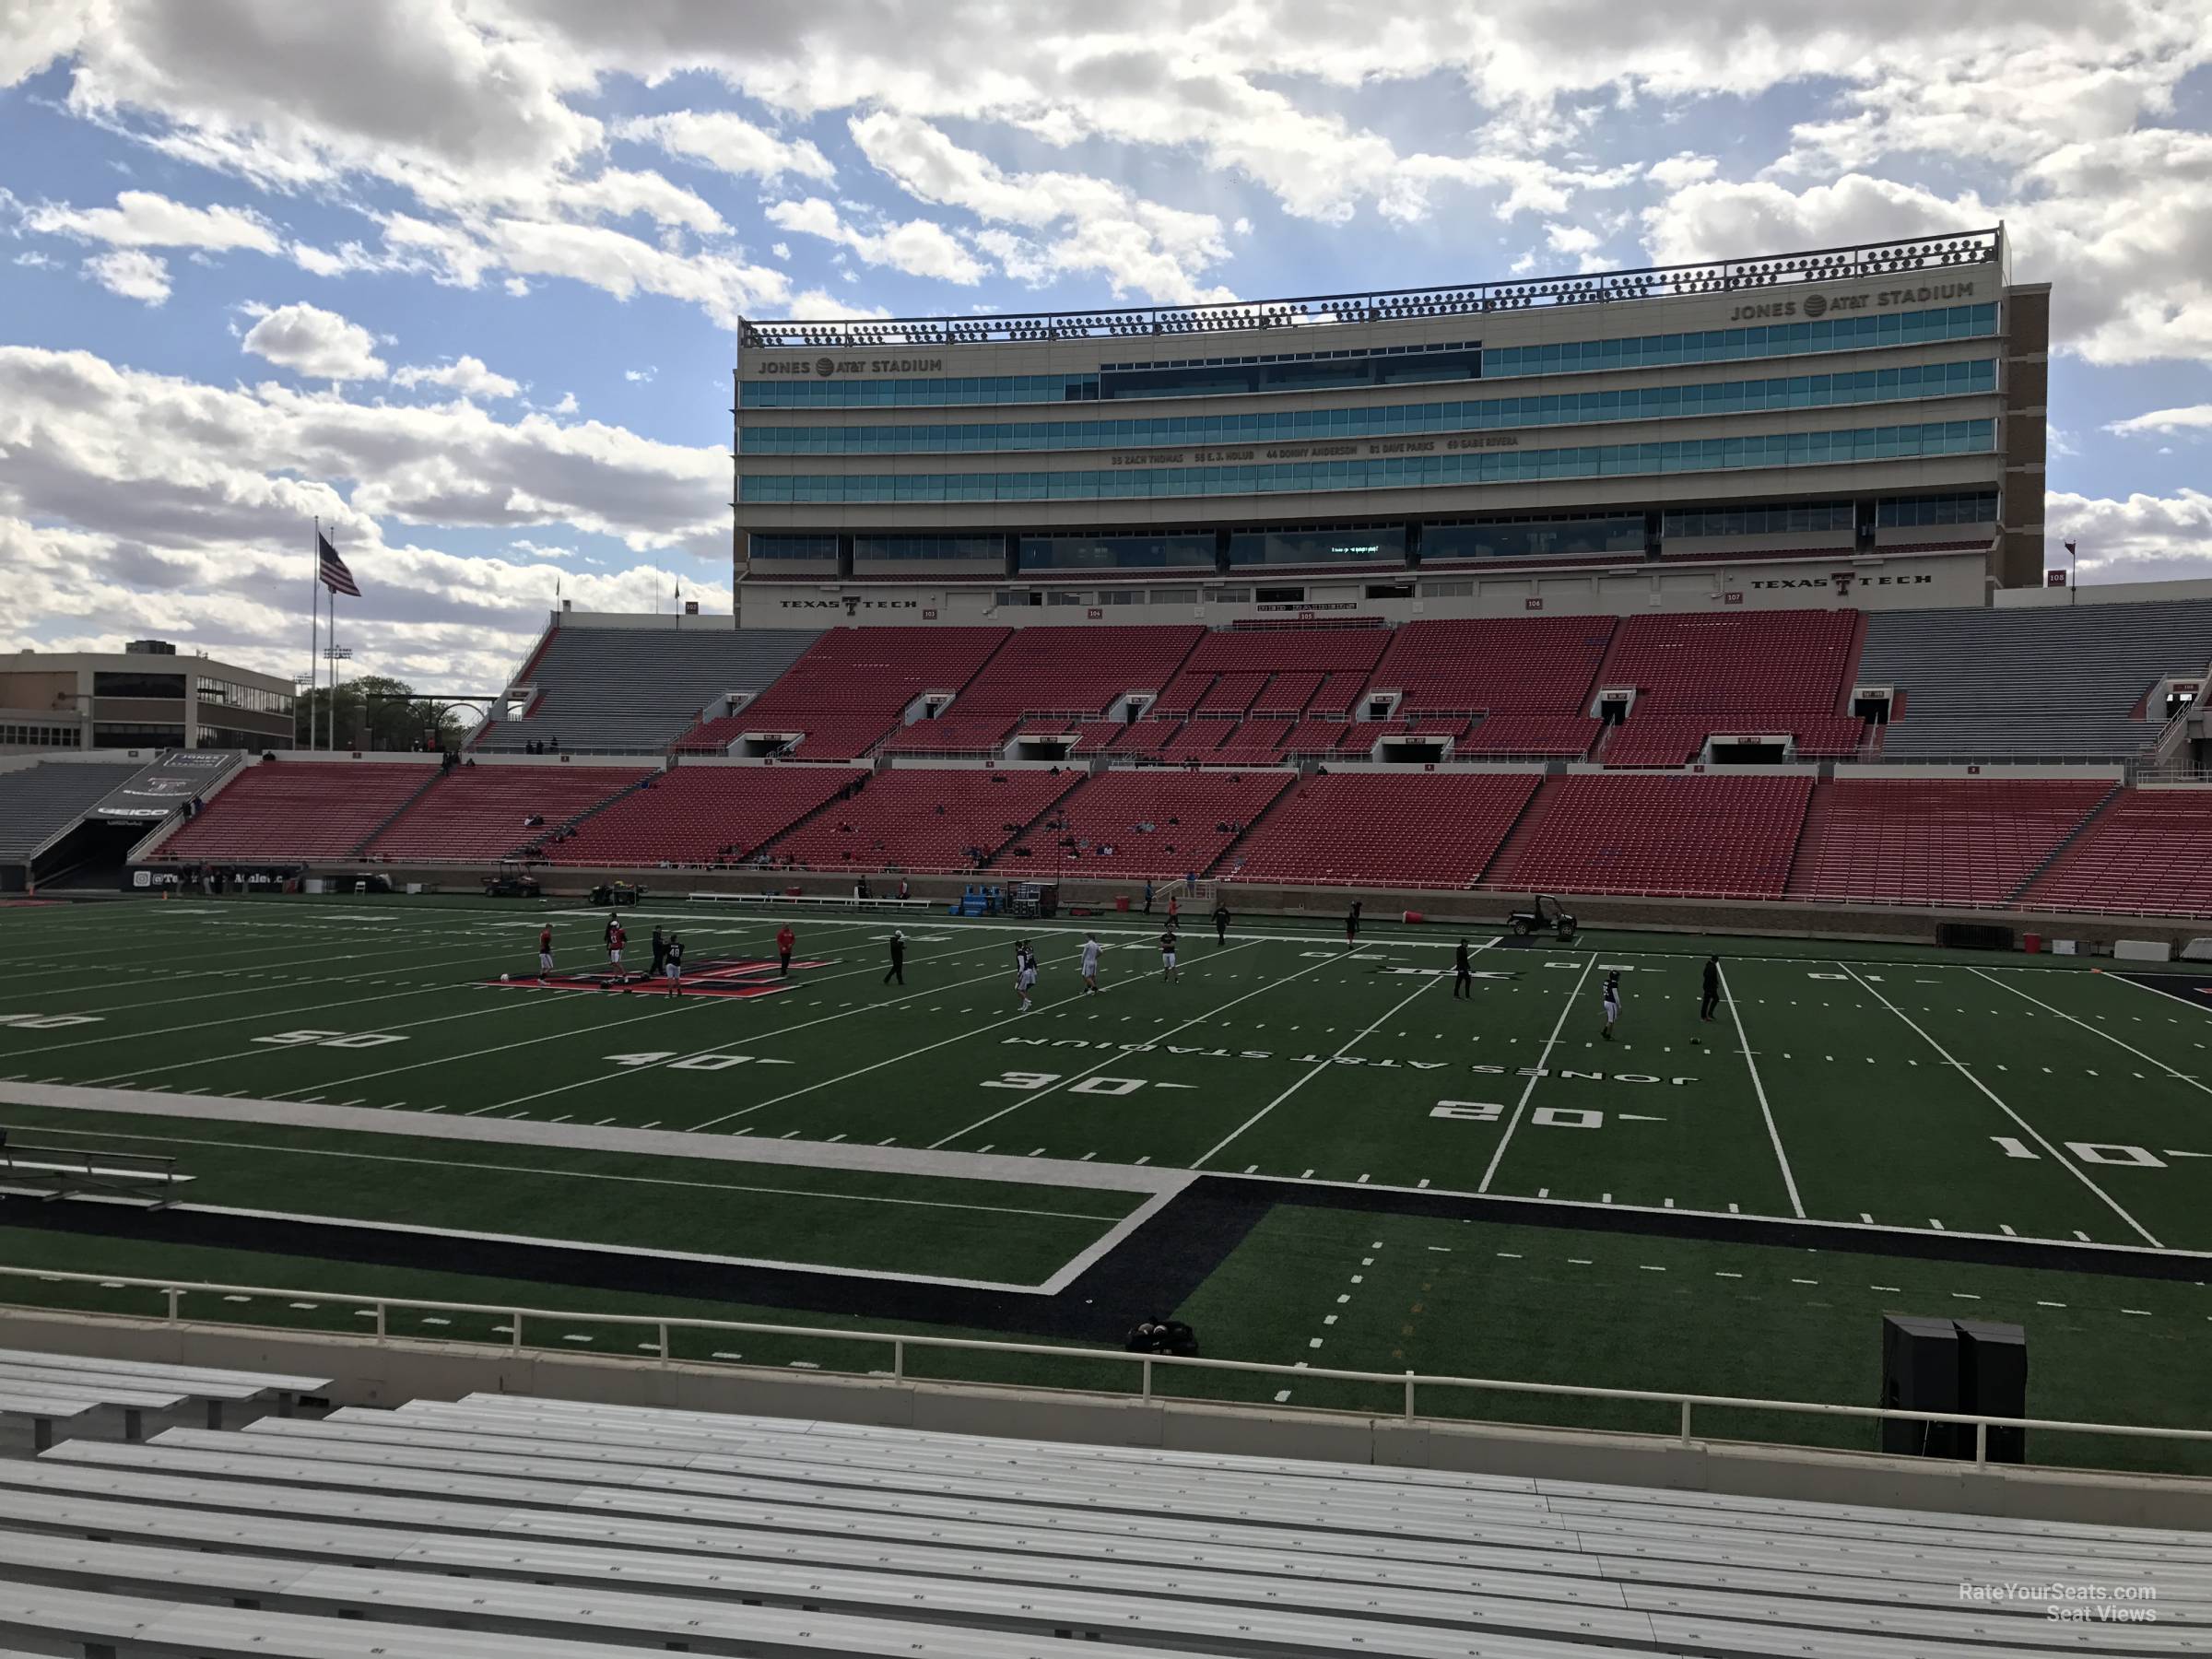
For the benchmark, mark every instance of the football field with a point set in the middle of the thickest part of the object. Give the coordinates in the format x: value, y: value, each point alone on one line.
x: 359, y: 1101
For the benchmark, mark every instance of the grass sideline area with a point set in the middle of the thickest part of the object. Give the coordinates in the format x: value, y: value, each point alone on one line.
x: 1935, y: 1113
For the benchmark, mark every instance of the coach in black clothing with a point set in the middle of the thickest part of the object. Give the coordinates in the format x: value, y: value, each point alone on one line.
x: 897, y: 970
x: 1713, y: 989
x: 1462, y: 971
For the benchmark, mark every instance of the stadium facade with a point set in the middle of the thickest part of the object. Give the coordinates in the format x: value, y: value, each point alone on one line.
x: 1858, y: 426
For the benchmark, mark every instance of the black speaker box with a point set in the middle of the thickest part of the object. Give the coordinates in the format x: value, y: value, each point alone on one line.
x: 1993, y: 1381
x: 1920, y: 1372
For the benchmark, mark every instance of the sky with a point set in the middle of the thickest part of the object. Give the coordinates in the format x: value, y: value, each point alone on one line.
x: 460, y: 278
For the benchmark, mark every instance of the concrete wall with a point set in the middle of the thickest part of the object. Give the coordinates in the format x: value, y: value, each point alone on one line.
x: 391, y: 1374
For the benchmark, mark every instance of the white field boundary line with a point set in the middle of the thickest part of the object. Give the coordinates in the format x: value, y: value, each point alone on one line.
x: 1908, y: 1236
x: 1760, y: 1089
x: 1122, y: 1056
x: 595, y: 1247
x: 751, y: 1039
x: 1347, y: 1047
x: 1111, y: 1239
x: 1550, y: 1042
x: 2181, y: 1076
x: 987, y: 1026
x: 2057, y: 1157
x: 649, y: 1143
x: 499, y: 1169
x: 2154, y: 991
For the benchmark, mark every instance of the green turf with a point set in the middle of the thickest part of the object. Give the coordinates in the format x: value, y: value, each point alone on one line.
x: 1871, y: 1086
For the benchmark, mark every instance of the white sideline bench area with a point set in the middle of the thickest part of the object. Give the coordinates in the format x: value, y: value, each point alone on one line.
x: 92, y: 1396
x: 496, y: 1525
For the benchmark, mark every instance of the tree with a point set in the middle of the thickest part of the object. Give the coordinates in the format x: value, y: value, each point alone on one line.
x: 376, y: 711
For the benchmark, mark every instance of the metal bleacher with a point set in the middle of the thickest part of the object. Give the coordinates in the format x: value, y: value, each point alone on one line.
x: 619, y: 690
x: 94, y: 1396
x: 2052, y: 683
x: 500, y: 1525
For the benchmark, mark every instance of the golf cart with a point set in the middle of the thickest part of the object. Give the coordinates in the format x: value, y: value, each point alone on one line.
x: 512, y: 882
x: 617, y: 892
x: 1547, y: 916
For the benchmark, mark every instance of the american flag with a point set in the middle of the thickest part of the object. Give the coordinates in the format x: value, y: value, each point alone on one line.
x: 335, y: 575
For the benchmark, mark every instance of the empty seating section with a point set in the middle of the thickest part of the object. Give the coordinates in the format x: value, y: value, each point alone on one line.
x: 1749, y: 663
x: 1199, y: 740
x: 2057, y: 682
x: 954, y: 732
x: 38, y: 803
x: 1146, y: 736
x: 501, y: 1526
x: 1406, y: 830
x: 477, y: 813
x: 1093, y: 736
x: 1723, y: 837
x: 292, y: 809
x: 1232, y: 694
x: 1315, y: 737
x: 1158, y: 824
x: 1182, y: 697
x: 1359, y: 736
x: 1079, y: 671
x: 636, y: 690
x: 1565, y: 737
x: 1337, y: 696
x: 853, y: 678
x: 1935, y: 840
x: 1508, y: 665
x: 2149, y: 853
x: 702, y: 815
x: 1287, y: 695
x: 923, y: 819
x: 1254, y: 743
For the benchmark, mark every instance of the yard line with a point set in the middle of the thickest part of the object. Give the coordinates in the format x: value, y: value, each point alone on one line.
x: 1765, y: 1110
x: 1077, y: 1076
x: 750, y: 1038
x: 2057, y: 1157
x: 1549, y: 1044
x: 1350, y: 1043
x: 2085, y: 1026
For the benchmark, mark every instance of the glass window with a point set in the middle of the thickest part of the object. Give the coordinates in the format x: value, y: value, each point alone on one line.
x: 137, y: 684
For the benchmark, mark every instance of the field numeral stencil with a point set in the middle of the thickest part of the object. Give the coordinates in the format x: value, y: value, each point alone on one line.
x: 47, y: 1022
x: 339, y: 1039
x: 1548, y: 1117
x: 1089, y: 1086
x: 2111, y: 1154
x: 699, y: 1062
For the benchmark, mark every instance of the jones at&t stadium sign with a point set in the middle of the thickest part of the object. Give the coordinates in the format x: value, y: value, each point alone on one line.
x: 823, y: 368
x: 1816, y: 306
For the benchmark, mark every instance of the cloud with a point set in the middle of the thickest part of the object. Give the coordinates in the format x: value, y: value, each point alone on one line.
x: 1064, y: 222
x: 142, y: 219
x: 132, y: 274
x: 917, y: 247
x: 133, y: 502
x: 644, y: 375
x: 728, y: 143
x: 2195, y: 418
x: 2142, y: 538
x: 466, y: 375
x: 1685, y: 168
x: 313, y: 343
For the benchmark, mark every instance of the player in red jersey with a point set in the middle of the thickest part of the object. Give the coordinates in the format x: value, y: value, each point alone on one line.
x: 545, y: 950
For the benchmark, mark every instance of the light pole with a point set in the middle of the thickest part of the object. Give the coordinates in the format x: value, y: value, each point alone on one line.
x: 2073, y: 572
x: 334, y: 655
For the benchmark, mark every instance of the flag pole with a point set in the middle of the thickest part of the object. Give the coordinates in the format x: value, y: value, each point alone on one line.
x: 314, y: 635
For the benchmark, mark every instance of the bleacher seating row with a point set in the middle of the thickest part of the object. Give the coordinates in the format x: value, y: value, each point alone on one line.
x: 1971, y: 684
x: 2051, y: 842
x: 509, y: 1528
x: 39, y: 802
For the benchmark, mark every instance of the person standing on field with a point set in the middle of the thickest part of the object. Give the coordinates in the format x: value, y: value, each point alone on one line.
x: 1463, y: 973
x: 672, y: 966
x: 897, y: 959
x: 785, y: 939
x: 545, y: 950
x: 1221, y: 921
x: 1712, y: 998
x: 1167, y: 955
x: 1352, y: 925
x: 1091, y: 964
x: 1612, y: 1004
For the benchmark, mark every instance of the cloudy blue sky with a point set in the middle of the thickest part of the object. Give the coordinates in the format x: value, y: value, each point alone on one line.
x: 459, y: 276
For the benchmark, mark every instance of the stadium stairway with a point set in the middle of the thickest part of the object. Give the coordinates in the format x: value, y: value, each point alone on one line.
x: 2087, y: 826
x: 536, y: 848
x: 430, y: 781
x: 498, y: 1527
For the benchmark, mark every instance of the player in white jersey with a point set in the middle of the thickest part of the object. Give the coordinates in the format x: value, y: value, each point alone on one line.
x: 1091, y: 964
x: 1612, y: 1004
x: 1167, y: 954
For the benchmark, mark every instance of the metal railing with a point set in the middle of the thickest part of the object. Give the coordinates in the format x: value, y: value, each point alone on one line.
x: 1966, y: 250
x: 897, y: 1346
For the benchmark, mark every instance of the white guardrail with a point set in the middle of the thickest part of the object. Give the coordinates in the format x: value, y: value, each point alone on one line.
x: 175, y: 1290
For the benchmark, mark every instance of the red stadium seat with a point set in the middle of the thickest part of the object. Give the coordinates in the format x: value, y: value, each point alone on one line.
x: 1147, y: 823
x: 2149, y: 854
x: 1400, y: 829
x: 1935, y: 840
x: 475, y: 813
x: 925, y: 819
x: 699, y: 814
x: 1722, y: 837
x: 295, y: 809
